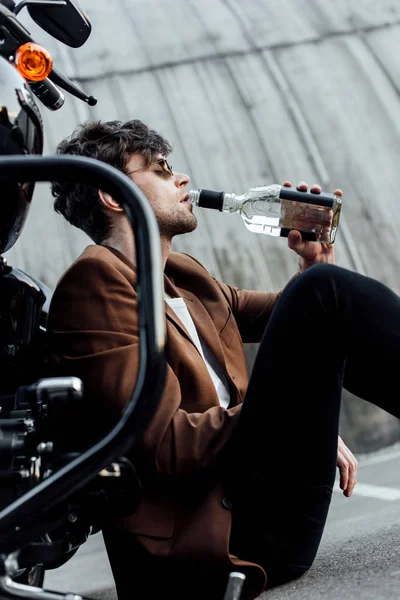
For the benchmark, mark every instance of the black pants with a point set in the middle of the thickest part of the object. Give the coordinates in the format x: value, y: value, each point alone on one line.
x: 331, y: 328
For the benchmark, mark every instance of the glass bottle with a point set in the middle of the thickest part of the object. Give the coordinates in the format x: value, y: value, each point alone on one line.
x: 276, y: 209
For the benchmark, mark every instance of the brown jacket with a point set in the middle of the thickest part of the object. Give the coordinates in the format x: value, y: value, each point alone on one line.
x: 93, y: 334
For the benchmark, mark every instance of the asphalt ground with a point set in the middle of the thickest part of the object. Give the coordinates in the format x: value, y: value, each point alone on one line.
x: 359, y: 557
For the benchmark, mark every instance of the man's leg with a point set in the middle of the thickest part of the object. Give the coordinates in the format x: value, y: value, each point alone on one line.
x: 330, y: 328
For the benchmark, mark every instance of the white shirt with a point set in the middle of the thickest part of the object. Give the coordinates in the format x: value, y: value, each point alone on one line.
x: 179, y: 307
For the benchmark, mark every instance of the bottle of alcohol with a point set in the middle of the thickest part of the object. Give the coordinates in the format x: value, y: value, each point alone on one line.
x: 275, y: 210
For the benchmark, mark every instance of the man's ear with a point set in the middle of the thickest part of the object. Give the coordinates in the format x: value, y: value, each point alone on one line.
x: 109, y: 202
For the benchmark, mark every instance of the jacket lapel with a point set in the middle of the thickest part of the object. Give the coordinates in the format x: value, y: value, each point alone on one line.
x: 205, y: 326
x: 171, y: 315
x: 202, y: 320
x: 173, y: 318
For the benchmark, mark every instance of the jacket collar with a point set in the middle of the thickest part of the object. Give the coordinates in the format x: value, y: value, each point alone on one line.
x: 121, y: 257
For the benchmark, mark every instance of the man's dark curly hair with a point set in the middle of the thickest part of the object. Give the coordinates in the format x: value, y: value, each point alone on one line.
x: 112, y: 142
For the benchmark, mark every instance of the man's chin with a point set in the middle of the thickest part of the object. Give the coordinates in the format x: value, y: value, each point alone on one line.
x: 193, y: 224
x: 189, y: 226
x: 180, y: 228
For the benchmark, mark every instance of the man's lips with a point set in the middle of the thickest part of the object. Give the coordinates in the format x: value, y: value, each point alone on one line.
x: 185, y: 201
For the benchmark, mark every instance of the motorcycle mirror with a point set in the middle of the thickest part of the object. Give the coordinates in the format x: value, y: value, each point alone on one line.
x: 62, y: 19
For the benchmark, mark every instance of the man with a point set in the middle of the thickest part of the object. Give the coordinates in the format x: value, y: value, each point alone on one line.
x: 237, y: 475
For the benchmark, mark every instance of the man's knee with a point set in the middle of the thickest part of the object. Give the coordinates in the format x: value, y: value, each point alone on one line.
x: 314, y: 278
x: 321, y: 271
x: 322, y: 278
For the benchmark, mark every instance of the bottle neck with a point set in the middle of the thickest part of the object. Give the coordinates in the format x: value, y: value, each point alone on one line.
x: 232, y: 202
x: 194, y: 197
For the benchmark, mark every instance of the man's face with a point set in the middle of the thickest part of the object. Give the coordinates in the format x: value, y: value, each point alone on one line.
x: 166, y: 194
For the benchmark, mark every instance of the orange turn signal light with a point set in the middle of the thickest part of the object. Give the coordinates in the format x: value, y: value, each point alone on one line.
x: 33, y: 61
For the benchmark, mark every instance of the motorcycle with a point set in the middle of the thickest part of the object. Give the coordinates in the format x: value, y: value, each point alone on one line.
x: 53, y: 494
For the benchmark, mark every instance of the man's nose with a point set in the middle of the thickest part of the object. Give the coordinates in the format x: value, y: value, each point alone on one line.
x: 181, y: 180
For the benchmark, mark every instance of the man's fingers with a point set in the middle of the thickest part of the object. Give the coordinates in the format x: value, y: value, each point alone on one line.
x: 352, y: 480
x: 302, y: 186
x: 347, y: 464
x: 316, y: 188
x: 352, y: 472
x: 304, y: 249
x: 343, y: 472
x: 295, y: 241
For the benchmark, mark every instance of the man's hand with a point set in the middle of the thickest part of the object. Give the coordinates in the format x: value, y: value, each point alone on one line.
x: 347, y: 465
x: 310, y: 253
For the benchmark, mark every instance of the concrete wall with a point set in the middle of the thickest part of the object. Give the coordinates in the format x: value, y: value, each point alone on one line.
x: 248, y: 93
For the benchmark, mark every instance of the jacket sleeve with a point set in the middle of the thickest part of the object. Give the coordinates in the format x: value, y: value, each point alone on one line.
x: 93, y: 334
x: 251, y: 309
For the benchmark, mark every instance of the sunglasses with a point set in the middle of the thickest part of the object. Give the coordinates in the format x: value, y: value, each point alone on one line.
x: 162, y: 162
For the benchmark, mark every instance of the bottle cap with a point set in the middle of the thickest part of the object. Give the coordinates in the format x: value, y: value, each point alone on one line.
x: 210, y: 199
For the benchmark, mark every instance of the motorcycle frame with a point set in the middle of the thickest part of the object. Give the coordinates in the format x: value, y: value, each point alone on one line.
x: 17, y: 521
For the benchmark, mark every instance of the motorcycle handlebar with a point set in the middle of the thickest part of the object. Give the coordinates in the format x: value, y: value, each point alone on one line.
x: 47, y: 93
x: 60, y: 79
x: 46, y: 90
